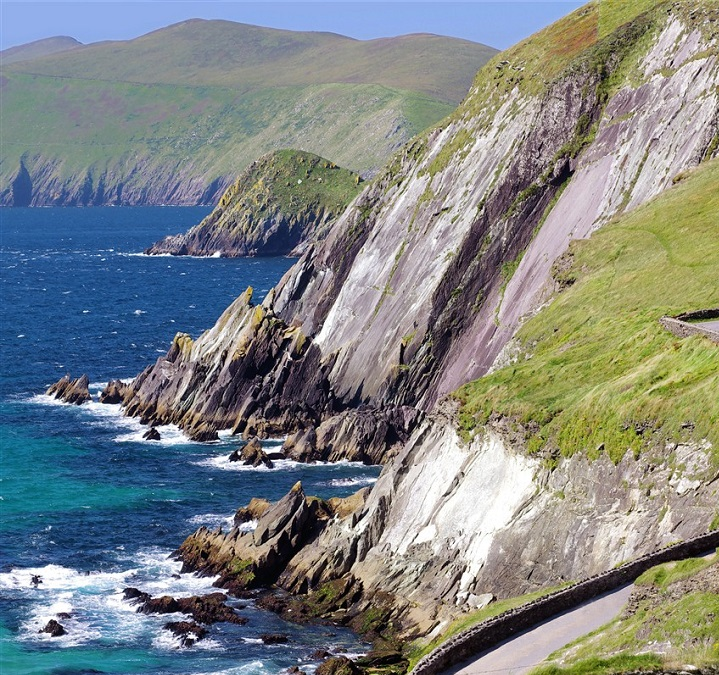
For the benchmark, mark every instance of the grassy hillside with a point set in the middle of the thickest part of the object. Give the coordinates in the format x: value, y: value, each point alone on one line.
x: 110, y: 122
x: 278, y: 202
x: 235, y: 55
x: 38, y: 49
x: 671, y: 621
x: 599, y: 373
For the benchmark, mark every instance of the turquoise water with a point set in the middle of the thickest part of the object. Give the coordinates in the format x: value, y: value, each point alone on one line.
x: 85, y: 502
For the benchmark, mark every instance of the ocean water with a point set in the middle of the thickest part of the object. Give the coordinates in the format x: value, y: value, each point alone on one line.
x: 85, y: 502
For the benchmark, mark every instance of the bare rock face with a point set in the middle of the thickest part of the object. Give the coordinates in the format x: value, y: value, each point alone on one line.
x: 71, y: 391
x: 405, y: 299
x: 253, y: 511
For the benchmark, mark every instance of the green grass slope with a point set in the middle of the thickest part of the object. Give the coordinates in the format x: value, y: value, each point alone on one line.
x: 235, y: 55
x: 200, y: 100
x: 279, y: 202
x: 599, y: 373
x: 670, y: 622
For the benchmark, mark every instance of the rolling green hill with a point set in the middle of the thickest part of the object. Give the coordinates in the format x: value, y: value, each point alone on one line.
x: 38, y: 49
x: 175, y: 115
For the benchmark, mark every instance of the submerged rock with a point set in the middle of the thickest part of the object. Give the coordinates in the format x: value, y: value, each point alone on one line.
x: 206, y: 609
x: 274, y: 639
x: 189, y: 632
x: 71, y: 391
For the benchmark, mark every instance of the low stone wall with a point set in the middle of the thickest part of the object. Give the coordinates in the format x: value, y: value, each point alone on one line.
x: 679, y: 326
x: 490, y: 633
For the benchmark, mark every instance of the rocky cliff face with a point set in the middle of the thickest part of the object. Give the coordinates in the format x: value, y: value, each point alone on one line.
x: 280, y: 202
x: 427, y: 276
x: 432, y: 269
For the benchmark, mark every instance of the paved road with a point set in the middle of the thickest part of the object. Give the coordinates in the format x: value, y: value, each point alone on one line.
x: 711, y: 325
x: 520, y: 654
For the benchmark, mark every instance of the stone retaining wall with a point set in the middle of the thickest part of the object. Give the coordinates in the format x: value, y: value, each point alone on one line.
x: 489, y: 633
x: 679, y: 326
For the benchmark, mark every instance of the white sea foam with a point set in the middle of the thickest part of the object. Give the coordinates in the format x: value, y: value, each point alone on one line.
x: 211, y: 520
x: 352, y: 482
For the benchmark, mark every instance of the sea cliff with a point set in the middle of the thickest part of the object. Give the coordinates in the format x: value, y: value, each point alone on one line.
x: 422, y: 286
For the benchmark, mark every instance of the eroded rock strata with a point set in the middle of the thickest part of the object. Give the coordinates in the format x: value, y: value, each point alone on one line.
x: 417, y: 289
x: 71, y: 391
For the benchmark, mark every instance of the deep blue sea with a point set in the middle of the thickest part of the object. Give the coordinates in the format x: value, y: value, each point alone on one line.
x: 86, y: 503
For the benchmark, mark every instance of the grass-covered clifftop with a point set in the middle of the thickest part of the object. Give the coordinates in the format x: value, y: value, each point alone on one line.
x: 174, y: 116
x: 279, y: 202
x: 596, y: 372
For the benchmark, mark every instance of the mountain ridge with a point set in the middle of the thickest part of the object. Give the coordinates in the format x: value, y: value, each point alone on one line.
x: 98, y: 125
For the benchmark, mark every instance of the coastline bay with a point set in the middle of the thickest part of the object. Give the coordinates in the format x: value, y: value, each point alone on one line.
x: 86, y: 503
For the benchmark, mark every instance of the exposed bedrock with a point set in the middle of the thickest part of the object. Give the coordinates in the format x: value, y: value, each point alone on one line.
x: 430, y: 271
x: 251, y: 559
x: 450, y: 523
x: 71, y: 391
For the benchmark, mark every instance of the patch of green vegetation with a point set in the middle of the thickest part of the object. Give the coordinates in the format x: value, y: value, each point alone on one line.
x: 454, y: 151
x: 614, y: 13
x: 668, y: 573
x: 683, y: 620
x: 418, y: 649
x: 604, y: 375
x: 714, y: 525
x: 622, y: 663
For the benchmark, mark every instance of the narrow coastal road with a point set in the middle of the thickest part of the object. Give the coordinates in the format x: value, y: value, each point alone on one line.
x: 711, y: 325
x: 521, y: 653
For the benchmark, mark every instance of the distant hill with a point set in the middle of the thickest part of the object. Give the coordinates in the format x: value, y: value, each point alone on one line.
x: 38, y: 49
x: 175, y: 115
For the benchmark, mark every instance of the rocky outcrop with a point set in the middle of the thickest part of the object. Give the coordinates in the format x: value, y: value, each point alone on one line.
x: 277, y: 206
x: 416, y: 290
x: 207, y: 609
x: 71, y: 391
x: 251, y: 559
x: 415, y: 539
x: 54, y: 628
x: 431, y: 270
x: 251, y: 454
x: 188, y: 631
x: 114, y: 392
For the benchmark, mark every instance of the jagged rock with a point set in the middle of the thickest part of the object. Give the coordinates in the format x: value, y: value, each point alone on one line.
x: 202, y: 432
x: 251, y: 454
x: 188, y: 631
x: 152, y: 434
x: 71, y: 391
x: 253, y: 511
x: 250, y: 559
x: 54, y: 628
x: 338, y: 665
x: 319, y: 655
x: 295, y: 670
x: 114, y: 392
x: 302, y: 446
x: 206, y: 609
x: 274, y: 639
